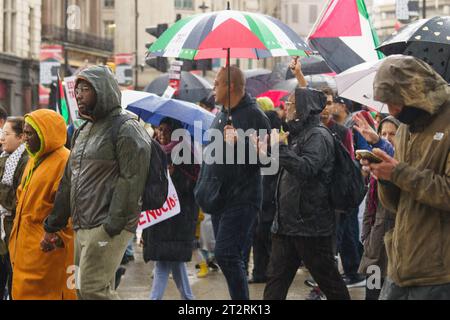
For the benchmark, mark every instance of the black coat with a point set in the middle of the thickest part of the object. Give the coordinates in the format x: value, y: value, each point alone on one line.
x: 303, y: 191
x: 172, y: 240
x: 222, y: 186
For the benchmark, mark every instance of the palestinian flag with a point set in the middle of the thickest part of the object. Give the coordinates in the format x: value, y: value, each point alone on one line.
x: 61, y: 103
x: 344, y: 35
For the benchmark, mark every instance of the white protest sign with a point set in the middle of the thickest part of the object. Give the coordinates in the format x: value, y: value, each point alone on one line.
x: 169, y: 210
x: 71, y: 98
x: 168, y: 94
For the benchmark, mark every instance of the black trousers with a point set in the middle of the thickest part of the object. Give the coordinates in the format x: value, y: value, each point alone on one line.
x: 5, y: 276
x: 262, y: 243
x: 317, y: 255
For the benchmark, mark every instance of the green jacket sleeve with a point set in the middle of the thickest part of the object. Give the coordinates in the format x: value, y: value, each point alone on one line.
x: 133, y: 154
x: 61, y: 212
x: 425, y: 186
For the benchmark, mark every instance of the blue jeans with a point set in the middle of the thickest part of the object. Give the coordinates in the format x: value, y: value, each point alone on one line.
x: 130, y: 249
x: 349, y: 246
x: 232, y: 229
x: 180, y: 276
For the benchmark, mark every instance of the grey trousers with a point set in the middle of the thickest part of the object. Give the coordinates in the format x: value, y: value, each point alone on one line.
x: 97, y: 257
x: 391, y: 291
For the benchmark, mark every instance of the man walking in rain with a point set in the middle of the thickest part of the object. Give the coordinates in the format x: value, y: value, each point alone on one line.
x: 416, y: 183
x: 102, y: 185
x: 232, y: 193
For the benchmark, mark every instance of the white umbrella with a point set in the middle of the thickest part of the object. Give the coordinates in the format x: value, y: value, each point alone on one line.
x: 131, y: 96
x: 357, y: 84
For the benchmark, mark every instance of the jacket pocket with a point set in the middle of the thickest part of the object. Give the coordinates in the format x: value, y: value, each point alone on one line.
x: 209, y: 194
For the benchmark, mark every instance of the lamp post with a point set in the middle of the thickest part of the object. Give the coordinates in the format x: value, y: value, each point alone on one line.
x: 136, y: 66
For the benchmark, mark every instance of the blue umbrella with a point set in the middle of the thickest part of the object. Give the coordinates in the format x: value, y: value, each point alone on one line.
x: 153, y: 109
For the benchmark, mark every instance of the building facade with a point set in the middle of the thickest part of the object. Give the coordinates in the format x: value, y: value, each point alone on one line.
x: 88, y: 40
x: 385, y: 19
x: 20, y: 31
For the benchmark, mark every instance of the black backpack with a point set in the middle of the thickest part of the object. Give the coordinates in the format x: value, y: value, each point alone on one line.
x: 157, y: 184
x: 347, y: 186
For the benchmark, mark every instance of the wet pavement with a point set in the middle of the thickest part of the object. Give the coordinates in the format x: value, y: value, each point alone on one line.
x: 137, y: 281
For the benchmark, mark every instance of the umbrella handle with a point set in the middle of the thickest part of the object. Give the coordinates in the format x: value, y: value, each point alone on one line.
x: 230, y: 118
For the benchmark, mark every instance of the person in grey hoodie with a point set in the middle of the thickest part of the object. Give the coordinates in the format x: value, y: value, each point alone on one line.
x: 102, y: 186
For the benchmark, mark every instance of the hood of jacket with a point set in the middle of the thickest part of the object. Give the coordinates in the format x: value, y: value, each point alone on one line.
x: 106, y: 87
x: 51, y: 129
x: 309, y: 104
x: 410, y: 82
x: 390, y: 119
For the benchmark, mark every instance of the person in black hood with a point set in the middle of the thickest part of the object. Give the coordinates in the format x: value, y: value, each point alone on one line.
x: 304, y: 220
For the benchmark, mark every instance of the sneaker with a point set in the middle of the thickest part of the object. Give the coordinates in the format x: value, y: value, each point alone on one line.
x: 355, y: 281
x: 213, y: 266
x: 316, y: 294
x: 311, y: 283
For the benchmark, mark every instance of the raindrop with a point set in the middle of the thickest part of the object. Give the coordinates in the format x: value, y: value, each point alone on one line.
x: 425, y: 29
x: 440, y: 23
x: 437, y: 34
x: 418, y: 37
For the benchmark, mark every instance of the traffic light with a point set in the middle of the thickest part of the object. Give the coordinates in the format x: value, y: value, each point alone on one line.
x: 159, y: 63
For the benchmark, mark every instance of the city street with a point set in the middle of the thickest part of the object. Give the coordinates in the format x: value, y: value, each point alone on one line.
x: 136, y: 284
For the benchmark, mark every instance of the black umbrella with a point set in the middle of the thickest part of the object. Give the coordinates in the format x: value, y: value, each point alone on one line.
x: 311, y: 65
x: 192, y: 87
x: 317, y: 81
x: 259, y: 81
x: 426, y: 39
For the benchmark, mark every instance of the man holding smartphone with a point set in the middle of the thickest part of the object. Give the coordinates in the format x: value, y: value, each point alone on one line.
x: 415, y: 184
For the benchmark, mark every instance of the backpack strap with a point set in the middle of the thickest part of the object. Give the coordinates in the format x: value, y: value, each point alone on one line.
x: 77, y: 133
x: 117, y: 123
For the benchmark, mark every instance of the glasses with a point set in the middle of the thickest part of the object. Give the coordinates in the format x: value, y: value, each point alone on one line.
x: 82, y: 90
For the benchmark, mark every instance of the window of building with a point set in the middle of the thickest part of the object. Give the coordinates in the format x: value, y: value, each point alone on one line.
x: 110, y: 28
x: 108, y: 4
x: 184, y: 4
x: 295, y: 13
x: 312, y: 13
x: 9, y: 25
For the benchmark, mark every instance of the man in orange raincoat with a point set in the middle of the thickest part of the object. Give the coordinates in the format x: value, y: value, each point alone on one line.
x: 38, y: 275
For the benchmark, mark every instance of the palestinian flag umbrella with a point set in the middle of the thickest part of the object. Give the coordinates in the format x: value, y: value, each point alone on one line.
x: 229, y: 34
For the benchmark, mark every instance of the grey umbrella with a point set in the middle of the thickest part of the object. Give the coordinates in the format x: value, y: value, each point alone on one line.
x: 193, y: 88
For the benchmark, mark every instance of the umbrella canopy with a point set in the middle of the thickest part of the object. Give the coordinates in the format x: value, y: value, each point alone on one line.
x: 193, y: 88
x: 426, y: 39
x: 258, y: 81
x: 153, y: 109
x: 356, y: 84
x: 275, y: 96
x: 130, y: 96
x: 247, y: 35
x: 318, y: 81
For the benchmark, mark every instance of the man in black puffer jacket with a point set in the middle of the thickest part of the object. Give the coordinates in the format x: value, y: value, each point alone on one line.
x: 304, y: 222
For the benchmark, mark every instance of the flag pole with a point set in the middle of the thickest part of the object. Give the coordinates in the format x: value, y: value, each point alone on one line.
x: 229, y: 121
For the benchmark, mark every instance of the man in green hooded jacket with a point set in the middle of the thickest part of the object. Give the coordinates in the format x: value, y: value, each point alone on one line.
x: 102, y: 186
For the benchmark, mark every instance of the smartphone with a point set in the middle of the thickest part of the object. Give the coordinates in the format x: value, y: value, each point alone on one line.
x: 369, y: 156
